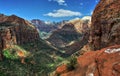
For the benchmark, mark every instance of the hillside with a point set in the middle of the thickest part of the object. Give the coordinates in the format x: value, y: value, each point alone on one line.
x: 22, y: 51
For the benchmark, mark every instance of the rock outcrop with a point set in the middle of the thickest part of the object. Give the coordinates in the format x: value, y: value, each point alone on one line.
x: 104, y: 62
x: 105, y: 24
x: 15, y: 30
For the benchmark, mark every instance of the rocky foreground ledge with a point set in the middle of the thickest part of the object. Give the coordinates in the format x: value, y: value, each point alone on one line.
x: 104, y: 62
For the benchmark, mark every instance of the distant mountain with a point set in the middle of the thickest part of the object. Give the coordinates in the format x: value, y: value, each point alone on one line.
x: 68, y: 36
x: 44, y: 26
x: 61, y: 37
x: 81, y: 25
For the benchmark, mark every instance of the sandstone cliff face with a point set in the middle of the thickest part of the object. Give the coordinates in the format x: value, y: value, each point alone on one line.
x: 104, y: 62
x: 105, y: 24
x: 15, y: 30
x: 81, y: 25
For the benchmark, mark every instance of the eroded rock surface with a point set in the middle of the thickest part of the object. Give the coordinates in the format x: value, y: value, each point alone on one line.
x: 97, y: 63
x: 105, y: 24
x: 15, y: 30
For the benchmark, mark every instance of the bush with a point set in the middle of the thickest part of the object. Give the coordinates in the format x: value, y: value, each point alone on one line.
x: 10, y: 54
x: 72, y: 63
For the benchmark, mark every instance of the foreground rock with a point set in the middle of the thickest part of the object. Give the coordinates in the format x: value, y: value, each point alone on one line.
x: 105, y: 24
x: 104, y: 62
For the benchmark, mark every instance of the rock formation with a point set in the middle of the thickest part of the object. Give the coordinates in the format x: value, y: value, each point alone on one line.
x: 15, y: 30
x: 63, y: 36
x: 104, y: 32
x: 104, y: 62
x: 69, y: 32
x: 105, y: 24
x: 71, y: 36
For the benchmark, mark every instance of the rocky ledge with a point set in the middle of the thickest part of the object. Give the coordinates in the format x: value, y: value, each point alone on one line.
x: 104, y: 62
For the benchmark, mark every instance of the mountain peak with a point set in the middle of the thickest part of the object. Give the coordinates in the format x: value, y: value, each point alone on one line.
x: 86, y: 18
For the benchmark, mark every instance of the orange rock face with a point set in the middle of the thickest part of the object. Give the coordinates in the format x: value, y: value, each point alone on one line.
x: 61, y: 69
x: 104, y: 62
x: 105, y: 24
x: 21, y: 54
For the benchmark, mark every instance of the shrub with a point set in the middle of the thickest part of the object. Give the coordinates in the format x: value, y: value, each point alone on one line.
x: 72, y: 63
x: 10, y: 54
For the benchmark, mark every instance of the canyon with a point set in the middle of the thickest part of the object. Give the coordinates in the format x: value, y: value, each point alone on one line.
x: 88, y: 46
x: 103, y: 58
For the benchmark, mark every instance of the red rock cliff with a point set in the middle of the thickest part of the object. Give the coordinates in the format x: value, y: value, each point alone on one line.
x: 104, y: 62
x: 105, y: 24
x: 15, y: 30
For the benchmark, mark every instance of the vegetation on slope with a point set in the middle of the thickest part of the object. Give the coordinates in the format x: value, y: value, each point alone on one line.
x: 39, y: 60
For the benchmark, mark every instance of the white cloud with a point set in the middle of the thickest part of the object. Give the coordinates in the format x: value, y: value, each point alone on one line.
x: 60, y: 2
x: 63, y: 13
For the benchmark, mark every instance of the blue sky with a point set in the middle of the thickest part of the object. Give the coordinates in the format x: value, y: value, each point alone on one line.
x: 48, y: 10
